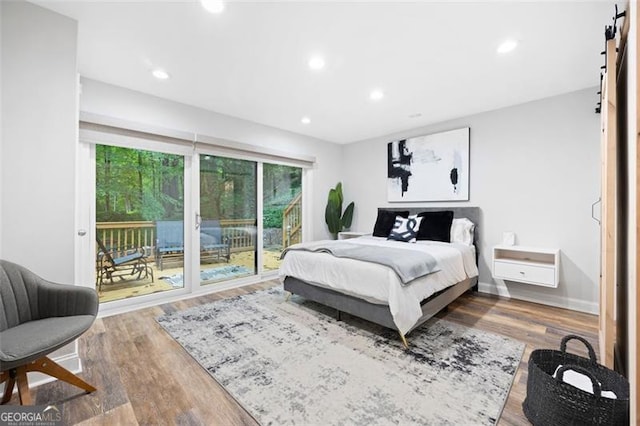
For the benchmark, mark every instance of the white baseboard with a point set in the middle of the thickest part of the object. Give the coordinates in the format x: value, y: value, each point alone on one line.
x: 544, y: 299
x: 69, y: 361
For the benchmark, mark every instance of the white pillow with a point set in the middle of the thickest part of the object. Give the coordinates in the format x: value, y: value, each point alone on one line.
x: 462, y: 231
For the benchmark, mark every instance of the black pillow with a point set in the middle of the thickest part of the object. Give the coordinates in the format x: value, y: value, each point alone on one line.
x: 436, y: 226
x: 385, y: 221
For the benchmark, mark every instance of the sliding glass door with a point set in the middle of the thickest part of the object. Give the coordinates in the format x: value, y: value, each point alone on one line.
x: 282, y: 211
x: 139, y: 200
x: 227, y: 222
x: 182, y: 221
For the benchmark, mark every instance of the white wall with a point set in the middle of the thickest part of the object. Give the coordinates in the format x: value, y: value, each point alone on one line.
x: 534, y: 171
x: 113, y: 101
x: 39, y: 95
x: 1, y: 132
x: 37, y: 158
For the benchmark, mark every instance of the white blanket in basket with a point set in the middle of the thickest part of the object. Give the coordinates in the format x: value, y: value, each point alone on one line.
x: 582, y: 382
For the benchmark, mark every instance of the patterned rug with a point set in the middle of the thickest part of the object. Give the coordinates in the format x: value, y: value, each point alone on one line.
x: 290, y: 363
x: 213, y: 274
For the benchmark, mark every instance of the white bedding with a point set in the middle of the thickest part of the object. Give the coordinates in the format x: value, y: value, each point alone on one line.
x: 379, y: 284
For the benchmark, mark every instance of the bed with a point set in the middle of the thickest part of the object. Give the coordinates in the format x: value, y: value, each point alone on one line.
x: 328, y: 280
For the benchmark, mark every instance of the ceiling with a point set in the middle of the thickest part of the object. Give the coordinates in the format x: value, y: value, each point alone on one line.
x: 433, y: 60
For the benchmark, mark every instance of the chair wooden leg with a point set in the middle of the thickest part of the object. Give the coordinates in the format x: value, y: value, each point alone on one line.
x: 43, y: 365
x: 23, y: 386
x: 10, y: 379
x: 47, y: 366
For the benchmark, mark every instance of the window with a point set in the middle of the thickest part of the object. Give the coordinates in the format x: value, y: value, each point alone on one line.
x: 282, y: 211
x: 227, y: 225
x: 174, y: 216
x: 139, y: 222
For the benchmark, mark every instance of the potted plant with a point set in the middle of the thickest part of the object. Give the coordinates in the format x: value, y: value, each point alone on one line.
x: 333, y: 215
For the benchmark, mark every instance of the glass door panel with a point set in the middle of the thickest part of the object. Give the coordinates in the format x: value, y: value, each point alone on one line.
x: 228, y: 210
x: 282, y: 211
x: 139, y: 222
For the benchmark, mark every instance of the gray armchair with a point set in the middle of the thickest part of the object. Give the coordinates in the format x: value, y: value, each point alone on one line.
x: 36, y: 318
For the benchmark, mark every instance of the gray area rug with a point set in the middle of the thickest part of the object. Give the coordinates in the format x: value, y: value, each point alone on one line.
x: 290, y: 363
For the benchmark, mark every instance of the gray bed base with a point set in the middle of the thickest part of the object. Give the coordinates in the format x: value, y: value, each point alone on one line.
x: 376, y: 313
x: 380, y: 313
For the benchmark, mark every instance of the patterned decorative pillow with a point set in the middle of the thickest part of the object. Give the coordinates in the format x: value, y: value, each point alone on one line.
x: 405, y: 229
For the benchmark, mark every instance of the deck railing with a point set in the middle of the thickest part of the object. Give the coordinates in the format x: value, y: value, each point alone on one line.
x: 241, y: 233
x: 292, y: 222
x: 120, y: 236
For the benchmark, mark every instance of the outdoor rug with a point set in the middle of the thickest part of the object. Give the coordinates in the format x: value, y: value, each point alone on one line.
x: 216, y: 274
x: 290, y: 363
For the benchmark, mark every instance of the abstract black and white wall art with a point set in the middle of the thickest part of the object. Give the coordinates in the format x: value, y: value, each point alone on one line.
x: 429, y: 168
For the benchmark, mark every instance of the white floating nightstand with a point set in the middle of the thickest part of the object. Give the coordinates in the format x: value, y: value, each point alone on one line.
x: 345, y: 235
x: 530, y: 265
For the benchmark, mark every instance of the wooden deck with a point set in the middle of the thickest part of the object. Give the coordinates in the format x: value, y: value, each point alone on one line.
x: 145, y: 377
x: 132, y: 288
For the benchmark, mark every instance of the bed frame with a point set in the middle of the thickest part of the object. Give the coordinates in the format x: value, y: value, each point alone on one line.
x: 379, y: 313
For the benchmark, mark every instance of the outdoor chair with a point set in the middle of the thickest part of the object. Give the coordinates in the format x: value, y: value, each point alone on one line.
x: 123, y: 264
x: 169, y: 242
x: 36, y: 318
x: 212, y: 243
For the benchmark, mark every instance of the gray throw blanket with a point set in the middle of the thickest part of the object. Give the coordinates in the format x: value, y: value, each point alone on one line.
x: 408, y: 264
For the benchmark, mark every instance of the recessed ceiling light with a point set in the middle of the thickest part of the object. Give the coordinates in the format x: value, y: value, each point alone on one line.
x: 376, y: 95
x: 213, y: 6
x: 160, y: 74
x: 507, y: 46
x: 305, y: 120
x: 316, y: 63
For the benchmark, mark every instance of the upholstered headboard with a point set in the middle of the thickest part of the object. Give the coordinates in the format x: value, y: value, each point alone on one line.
x: 471, y: 213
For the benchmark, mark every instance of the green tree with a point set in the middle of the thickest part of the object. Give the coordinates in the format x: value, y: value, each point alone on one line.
x: 227, y: 188
x: 138, y: 185
x: 281, y: 184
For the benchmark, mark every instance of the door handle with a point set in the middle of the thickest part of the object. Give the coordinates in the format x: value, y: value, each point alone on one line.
x: 595, y: 203
x: 198, y: 221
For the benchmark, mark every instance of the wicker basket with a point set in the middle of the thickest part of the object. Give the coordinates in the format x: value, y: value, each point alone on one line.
x: 550, y: 401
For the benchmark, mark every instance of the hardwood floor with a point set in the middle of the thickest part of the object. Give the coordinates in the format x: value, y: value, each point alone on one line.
x: 144, y: 377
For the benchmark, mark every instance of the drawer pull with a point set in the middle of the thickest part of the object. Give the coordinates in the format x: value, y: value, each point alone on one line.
x: 522, y: 272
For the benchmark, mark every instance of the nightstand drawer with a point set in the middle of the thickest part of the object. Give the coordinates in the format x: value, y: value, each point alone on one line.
x: 526, y: 273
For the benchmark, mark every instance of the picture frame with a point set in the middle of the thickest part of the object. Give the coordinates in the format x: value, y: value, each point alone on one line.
x: 427, y: 168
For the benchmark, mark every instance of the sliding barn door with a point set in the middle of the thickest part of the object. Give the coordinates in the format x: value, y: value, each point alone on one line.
x: 620, y: 310
x: 634, y: 225
x: 608, y: 226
